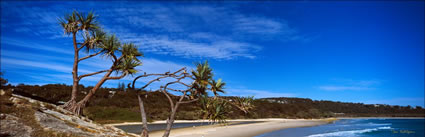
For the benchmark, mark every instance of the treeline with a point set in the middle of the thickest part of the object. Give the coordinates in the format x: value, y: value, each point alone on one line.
x: 118, y: 105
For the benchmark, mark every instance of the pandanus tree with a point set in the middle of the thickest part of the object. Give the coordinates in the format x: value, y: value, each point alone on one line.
x: 73, y: 24
x: 184, y: 88
x: 124, y: 59
x: 214, y: 110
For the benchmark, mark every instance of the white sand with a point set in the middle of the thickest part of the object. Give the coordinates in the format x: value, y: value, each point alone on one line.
x: 244, y: 130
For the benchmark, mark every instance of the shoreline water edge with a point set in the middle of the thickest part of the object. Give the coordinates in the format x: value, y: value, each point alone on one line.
x: 238, y: 130
x: 257, y: 127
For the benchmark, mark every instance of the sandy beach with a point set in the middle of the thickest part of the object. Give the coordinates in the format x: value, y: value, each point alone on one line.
x: 243, y: 130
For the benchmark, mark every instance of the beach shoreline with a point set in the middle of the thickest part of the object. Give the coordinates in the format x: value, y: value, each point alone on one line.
x: 380, y: 117
x: 264, y: 126
x: 263, y: 119
x: 196, y: 121
x: 267, y: 125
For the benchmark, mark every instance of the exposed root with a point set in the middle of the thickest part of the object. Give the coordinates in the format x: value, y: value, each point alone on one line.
x: 74, y: 107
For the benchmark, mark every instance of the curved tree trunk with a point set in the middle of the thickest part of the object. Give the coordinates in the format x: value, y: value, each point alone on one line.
x: 170, y: 121
x: 78, y: 107
x: 145, y: 130
x: 75, y: 80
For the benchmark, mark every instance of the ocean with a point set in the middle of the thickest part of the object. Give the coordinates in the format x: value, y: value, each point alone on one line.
x: 358, y: 128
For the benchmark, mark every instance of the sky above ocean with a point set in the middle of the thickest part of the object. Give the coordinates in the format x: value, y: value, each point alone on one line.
x: 369, y: 52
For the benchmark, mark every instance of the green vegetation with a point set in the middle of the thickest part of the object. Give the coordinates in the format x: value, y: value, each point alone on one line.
x: 214, y: 110
x: 127, y: 103
x: 112, y: 114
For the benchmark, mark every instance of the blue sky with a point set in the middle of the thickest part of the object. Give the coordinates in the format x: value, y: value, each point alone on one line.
x: 370, y: 52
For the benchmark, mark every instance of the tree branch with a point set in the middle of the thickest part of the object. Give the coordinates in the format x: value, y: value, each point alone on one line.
x: 90, y: 74
x: 119, y: 77
x: 165, y: 75
x: 177, y: 90
x: 189, y: 101
x: 89, y: 56
x: 169, y: 98
x: 82, y: 46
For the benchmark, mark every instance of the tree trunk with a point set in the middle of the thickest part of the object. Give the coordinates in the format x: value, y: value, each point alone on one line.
x: 170, y: 121
x: 75, y: 79
x: 78, y: 108
x: 145, y: 130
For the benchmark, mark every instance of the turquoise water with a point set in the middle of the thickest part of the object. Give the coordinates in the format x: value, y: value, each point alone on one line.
x: 358, y: 128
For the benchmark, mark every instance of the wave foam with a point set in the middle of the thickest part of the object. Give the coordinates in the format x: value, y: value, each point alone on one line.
x: 348, y: 133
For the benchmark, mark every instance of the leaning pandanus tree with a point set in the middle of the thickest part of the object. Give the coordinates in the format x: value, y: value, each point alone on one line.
x: 86, y: 25
x: 183, y: 88
x: 124, y: 59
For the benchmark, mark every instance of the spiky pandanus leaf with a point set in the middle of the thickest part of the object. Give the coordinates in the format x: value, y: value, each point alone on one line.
x: 128, y: 66
x: 202, y: 75
x: 88, y: 23
x: 217, y: 86
x: 213, y: 109
x: 129, y: 50
x: 110, y: 45
x: 70, y: 23
x: 94, y: 41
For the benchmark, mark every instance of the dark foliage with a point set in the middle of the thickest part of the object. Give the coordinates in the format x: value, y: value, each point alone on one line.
x: 123, y: 106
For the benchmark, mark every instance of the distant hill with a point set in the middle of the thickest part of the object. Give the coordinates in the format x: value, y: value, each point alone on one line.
x: 111, y: 105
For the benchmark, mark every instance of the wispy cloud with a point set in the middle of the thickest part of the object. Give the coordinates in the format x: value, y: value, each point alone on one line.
x: 32, y: 45
x: 175, y: 32
x: 260, y: 25
x: 256, y: 93
x: 351, y: 85
x: 39, y: 21
x: 220, y: 49
x: 9, y: 62
x: 192, y: 30
x: 343, y: 88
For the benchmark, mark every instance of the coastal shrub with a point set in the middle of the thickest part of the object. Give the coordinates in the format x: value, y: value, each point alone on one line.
x: 314, y: 113
x: 158, y: 110
x: 112, y: 114
x: 187, y: 115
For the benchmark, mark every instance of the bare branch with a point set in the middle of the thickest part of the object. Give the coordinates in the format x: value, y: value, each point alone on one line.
x: 119, y: 77
x: 90, y: 74
x: 169, y: 98
x: 165, y: 75
x: 89, y: 56
x: 82, y: 46
x: 190, y: 101
x: 177, y: 90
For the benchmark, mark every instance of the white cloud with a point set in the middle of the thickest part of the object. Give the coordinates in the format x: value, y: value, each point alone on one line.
x: 256, y: 93
x: 343, y: 88
x: 26, y: 55
x: 34, y: 20
x: 261, y: 25
x: 185, y: 48
x: 195, y: 30
x: 351, y: 85
x: 190, y: 30
x: 31, y: 64
x: 32, y: 45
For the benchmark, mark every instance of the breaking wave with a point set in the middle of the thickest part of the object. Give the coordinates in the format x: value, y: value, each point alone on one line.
x: 349, y: 133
